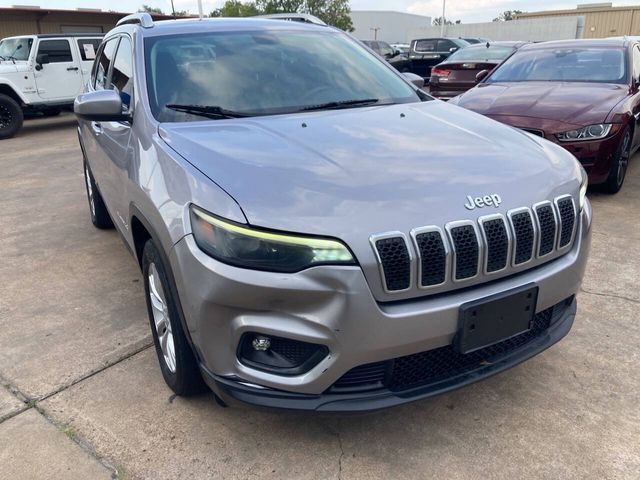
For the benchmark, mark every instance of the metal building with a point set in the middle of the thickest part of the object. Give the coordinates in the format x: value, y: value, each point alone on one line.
x: 27, y: 20
x: 600, y: 19
x: 388, y: 26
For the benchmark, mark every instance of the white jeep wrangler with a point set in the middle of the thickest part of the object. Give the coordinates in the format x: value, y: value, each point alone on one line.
x: 42, y: 74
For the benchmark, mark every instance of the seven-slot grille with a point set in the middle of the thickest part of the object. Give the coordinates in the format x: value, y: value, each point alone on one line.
x: 468, y: 249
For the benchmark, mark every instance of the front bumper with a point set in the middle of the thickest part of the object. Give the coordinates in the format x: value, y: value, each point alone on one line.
x: 333, y: 306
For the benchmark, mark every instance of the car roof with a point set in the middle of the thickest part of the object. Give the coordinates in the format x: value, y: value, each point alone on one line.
x: 500, y: 43
x: 582, y: 43
x: 190, y: 25
x: 64, y: 35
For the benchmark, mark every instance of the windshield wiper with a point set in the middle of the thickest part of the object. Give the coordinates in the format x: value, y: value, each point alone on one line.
x: 341, y: 104
x: 209, y: 111
x: 2, y: 58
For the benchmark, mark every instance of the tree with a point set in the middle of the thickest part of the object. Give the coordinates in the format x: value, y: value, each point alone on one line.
x: 333, y: 12
x: 181, y: 13
x: 508, y: 15
x: 438, y: 21
x: 236, y: 8
x: 147, y: 8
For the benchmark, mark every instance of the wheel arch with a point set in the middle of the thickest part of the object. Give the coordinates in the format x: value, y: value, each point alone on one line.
x: 142, y: 231
x: 9, y: 91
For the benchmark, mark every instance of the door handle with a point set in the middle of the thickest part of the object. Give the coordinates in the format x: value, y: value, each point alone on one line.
x: 72, y: 69
x: 96, y: 127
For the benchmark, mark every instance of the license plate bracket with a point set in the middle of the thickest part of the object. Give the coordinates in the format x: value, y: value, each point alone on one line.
x: 496, y: 318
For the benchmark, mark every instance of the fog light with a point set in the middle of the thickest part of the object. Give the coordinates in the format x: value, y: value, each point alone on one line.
x: 261, y: 344
x: 282, y: 356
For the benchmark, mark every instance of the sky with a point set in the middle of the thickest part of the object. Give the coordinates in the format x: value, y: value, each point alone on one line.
x: 467, y: 11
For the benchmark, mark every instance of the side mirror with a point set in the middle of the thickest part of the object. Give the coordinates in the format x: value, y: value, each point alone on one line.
x: 101, y: 105
x: 453, y: 49
x: 481, y: 75
x: 417, y: 80
x: 42, y: 59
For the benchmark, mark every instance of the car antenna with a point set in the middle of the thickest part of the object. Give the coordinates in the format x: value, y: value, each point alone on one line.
x: 487, y: 44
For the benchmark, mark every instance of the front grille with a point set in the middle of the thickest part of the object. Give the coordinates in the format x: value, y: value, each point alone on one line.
x: 442, y: 363
x: 433, y: 258
x: 396, y: 263
x: 547, y: 226
x: 497, y: 242
x: 567, y: 216
x: 468, y: 250
x: 522, y: 225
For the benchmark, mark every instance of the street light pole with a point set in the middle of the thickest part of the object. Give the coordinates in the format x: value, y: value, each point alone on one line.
x: 375, y: 32
x: 443, y: 21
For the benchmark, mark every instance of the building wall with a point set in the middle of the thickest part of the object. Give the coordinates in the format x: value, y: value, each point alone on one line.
x: 535, y: 29
x: 29, y: 22
x: 599, y: 22
x: 394, y: 27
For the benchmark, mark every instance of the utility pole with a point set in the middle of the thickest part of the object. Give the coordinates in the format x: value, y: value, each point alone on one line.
x: 444, y: 2
x: 200, y: 9
x: 375, y: 32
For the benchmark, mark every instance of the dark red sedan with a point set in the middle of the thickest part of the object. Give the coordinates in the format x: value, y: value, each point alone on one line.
x: 581, y: 94
x: 459, y: 72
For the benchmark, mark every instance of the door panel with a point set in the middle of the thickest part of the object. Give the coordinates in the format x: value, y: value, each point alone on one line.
x: 61, y: 79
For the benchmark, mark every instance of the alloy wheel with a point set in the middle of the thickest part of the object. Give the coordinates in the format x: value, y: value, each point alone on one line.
x: 161, y: 319
x: 6, y: 116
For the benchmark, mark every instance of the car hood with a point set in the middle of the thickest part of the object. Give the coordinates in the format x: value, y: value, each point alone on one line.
x: 573, y: 103
x: 352, y: 173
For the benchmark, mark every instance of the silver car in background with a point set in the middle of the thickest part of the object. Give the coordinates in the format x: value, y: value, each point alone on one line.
x: 314, y: 231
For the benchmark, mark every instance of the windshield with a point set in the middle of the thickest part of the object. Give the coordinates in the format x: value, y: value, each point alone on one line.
x: 602, y: 65
x: 481, y: 54
x: 265, y: 72
x: 15, y: 48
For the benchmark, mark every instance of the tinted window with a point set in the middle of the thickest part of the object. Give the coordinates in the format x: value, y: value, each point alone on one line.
x: 385, y: 49
x: 425, y: 46
x: 446, y: 45
x: 102, y: 68
x: 122, y: 73
x: 59, y: 51
x: 88, y: 49
x: 481, y: 54
x: 265, y: 72
x: 602, y: 65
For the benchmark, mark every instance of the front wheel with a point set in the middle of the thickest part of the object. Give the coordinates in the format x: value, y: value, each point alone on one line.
x: 620, y: 163
x: 11, y: 117
x: 177, y: 362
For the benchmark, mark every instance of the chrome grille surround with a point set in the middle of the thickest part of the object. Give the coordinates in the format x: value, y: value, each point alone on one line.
x: 529, y: 229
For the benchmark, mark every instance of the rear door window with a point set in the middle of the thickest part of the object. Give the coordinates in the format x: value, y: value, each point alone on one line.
x: 88, y: 48
x: 425, y: 46
x: 59, y: 51
x: 446, y: 46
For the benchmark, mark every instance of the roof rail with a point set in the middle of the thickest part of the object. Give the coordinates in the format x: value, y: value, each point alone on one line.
x: 141, y: 18
x: 295, y: 17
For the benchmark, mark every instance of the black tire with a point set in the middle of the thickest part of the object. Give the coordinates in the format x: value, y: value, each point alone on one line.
x: 619, y: 165
x: 51, y: 112
x: 97, y: 209
x: 11, y: 117
x: 181, y: 373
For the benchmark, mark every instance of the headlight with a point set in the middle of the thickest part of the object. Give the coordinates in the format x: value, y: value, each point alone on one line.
x: 583, y: 188
x: 590, y: 132
x: 243, y: 246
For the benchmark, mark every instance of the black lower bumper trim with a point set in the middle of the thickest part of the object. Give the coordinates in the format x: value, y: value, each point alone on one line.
x: 231, y: 390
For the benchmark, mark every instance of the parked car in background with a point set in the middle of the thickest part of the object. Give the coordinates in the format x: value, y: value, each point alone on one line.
x: 458, y: 73
x: 474, y: 40
x: 397, y: 59
x: 425, y: 53
x: 581, y: 94
x: 299, y: 248
x: 401, y: 47
x: 42, y: 74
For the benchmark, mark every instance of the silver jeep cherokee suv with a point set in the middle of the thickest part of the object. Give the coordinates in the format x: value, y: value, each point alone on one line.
x: 314, y: 231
